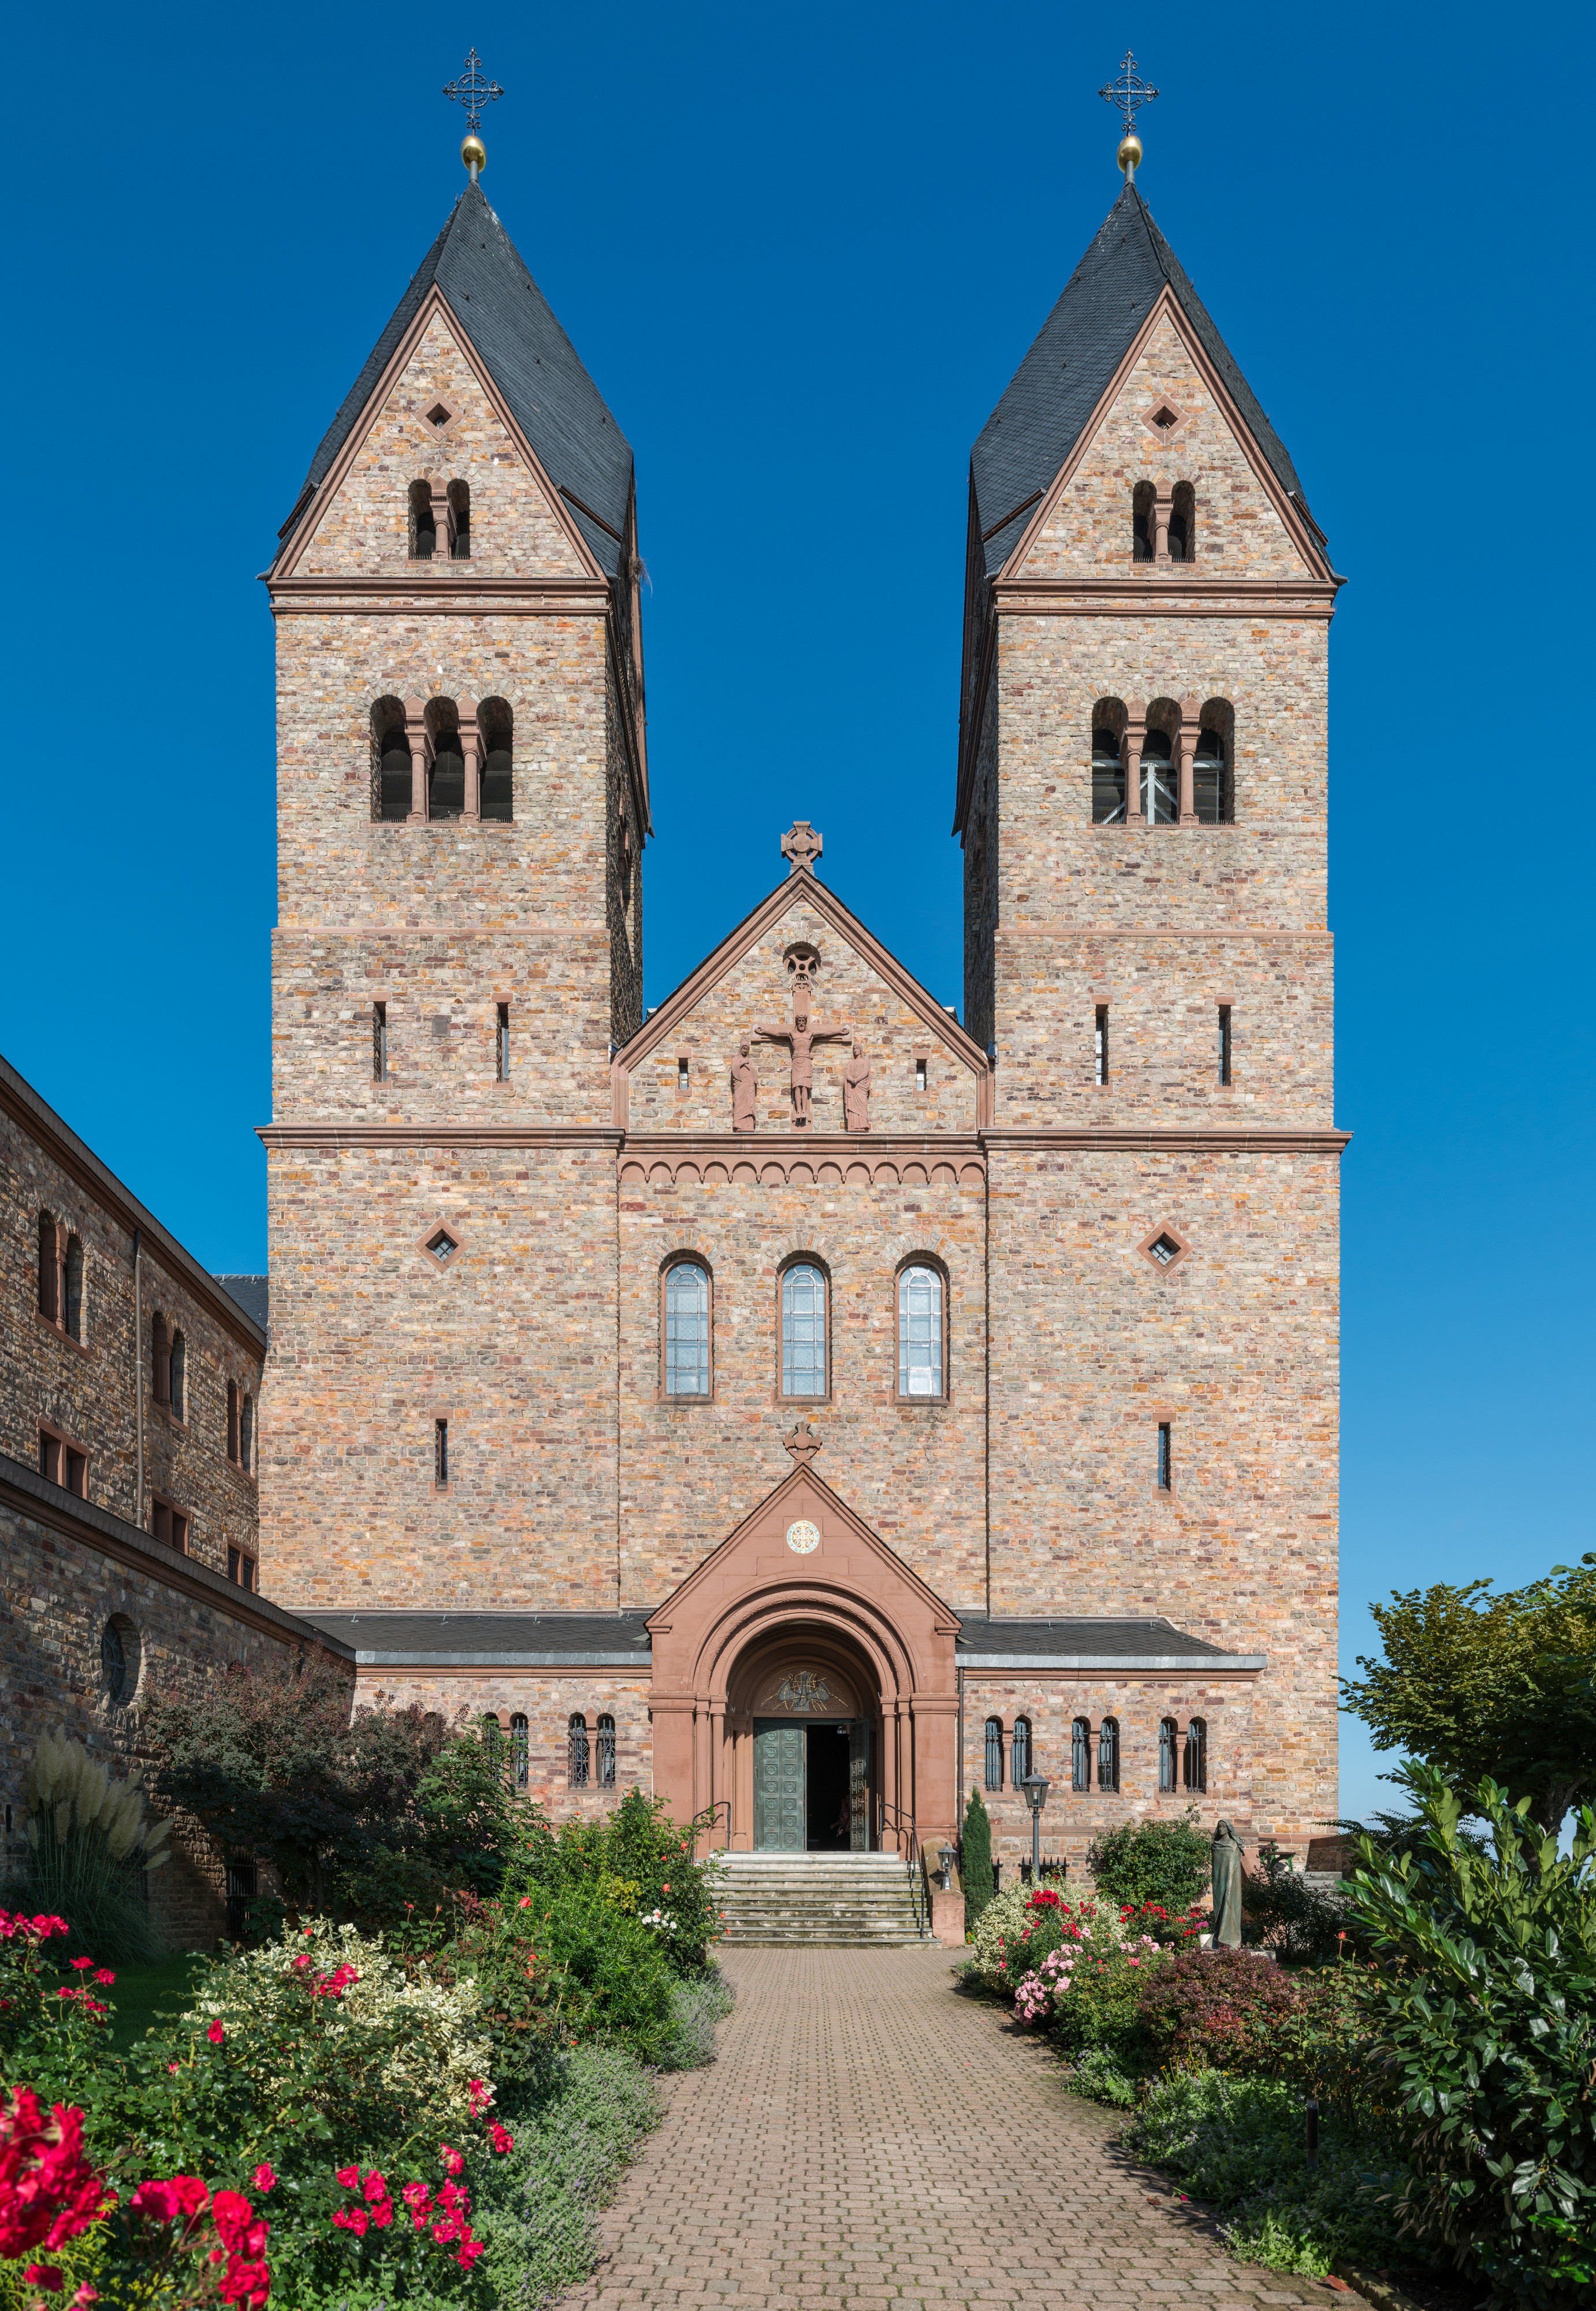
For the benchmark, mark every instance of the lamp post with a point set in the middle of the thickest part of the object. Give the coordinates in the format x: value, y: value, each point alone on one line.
x: 1036, y: 1786
x: 947, y: 1856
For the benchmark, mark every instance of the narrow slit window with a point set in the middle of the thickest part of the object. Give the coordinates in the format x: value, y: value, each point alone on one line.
x: 683, y: 1074
x: 994, y: 1753
x: 1100, y: 1046
x: 49, y: 1458
x: 520, y: 1750
x: 49, y: 1269
x: 1166, y: 1479
x: 379, y: 1042
x: 73, y: 1290
x: 1108, y: 1754
x: 160, y: 1360
x: 232, y: 1421
x: 502, y: 1043
x: 1195, y: 1764
x: 247, y: 1434
x: 1080, y: 1753
x: 1020, y: 1760
x: 1225, y: 1044
x: 75, y: 1474
x: 441, y: 1451
x: 178, y: 1366
x: 459, y: 510
x: 920, y: 1074
x: 577, y: 1754
x: 604, y: 1748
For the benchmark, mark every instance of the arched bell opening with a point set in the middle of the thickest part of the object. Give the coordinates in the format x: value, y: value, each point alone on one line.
x: 804, y: 1732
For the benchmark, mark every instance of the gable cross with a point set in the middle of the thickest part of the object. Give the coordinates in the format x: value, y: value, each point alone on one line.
x: 801, y: 847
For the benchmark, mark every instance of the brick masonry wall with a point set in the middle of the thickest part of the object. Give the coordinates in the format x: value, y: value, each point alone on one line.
x: 513, y: 1342
x: 547, y: 1703
x: 87, y: 1392
x: 57, y: 1595
x: 692, y: 1471
x: 1071, y: 1818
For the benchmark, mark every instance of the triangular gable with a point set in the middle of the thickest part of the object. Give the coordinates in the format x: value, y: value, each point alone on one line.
x: 1058, y: 394
x: 800, y: 887
x: 1304, y: 532
x: 536, y: 370
x: 433, y: 305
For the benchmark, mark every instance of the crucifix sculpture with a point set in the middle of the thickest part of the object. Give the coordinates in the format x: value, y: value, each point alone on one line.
x: 801, y: 1039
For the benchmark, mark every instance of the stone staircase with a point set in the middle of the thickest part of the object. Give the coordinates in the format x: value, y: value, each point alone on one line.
x: 856, y: 1900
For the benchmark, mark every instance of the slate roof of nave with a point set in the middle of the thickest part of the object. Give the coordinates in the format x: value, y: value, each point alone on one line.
x: 528, y: 356
x: 1050, y: 397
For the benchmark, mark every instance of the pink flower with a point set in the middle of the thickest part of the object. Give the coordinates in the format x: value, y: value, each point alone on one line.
x: 382, y: 2215
x: 352, y: 2218
x: 239, y: 2228
x: 43, y: 2274
x: 501, y: 2138
x: 524, y: 1903
x: 451, y: 2160
x: 469, y: 2250
x: 417, y: 2195
x: 216, y: 2034
x: 171, y: 2066
x: 104, y: 1976
x: 376, y: 2187
x: 303, y: 1959
x: 85, y: 2294
x: 349, y: 2176
x: 245, y: 2282
x: 80, y: 1965
x: 263, y: 2178
x: 481, y: 2095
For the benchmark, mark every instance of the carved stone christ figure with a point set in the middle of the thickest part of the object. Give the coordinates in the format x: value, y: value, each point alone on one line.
x: 802, y: 1039
x: 744, y: 1090
x: 856, y: 1092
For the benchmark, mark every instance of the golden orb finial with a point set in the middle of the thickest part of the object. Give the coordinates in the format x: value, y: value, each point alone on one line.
x: 475, y: 154
x: 474, y: 89
x: 1129, y: 155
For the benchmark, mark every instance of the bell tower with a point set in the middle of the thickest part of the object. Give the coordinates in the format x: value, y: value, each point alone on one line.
x: 462, y: 803
x: 1142, y: 801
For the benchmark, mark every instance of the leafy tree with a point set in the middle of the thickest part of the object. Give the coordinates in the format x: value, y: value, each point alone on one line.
x: 1483, y: 2011
x: 975, y: 1860
x: 1164, y: 1861
x: 1491, y: 1686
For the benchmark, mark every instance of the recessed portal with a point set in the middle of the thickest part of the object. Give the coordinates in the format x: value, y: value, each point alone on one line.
x: 811, y: 1785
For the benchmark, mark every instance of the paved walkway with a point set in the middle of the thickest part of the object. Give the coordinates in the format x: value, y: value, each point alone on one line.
x: 866, y: 2138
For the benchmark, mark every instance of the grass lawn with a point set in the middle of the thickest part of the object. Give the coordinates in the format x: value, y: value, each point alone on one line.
x: 141, y: 1990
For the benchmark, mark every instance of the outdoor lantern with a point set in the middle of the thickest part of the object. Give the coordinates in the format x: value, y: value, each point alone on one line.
x: 1036, y: 1786
x: 947, y: 1856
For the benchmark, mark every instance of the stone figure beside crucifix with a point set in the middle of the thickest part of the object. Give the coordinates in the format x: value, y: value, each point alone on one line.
x: 801, y: 1039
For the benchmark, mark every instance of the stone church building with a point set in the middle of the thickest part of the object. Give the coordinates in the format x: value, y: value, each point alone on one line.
x: 792, y: 1400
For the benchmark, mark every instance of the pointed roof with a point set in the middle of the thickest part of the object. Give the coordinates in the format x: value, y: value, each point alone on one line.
x: 1052, y: 394
x: 478, y: 270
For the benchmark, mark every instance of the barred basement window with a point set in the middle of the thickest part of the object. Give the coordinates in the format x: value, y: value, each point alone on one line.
x: 1100, y: 1045
x: 519, y: 1750
x: 1169, y: 1735
x: 1020, y: 1764
x: 1225, y: 1042
x: 576, y: 1750
x: 379, y: 1042
x: 1108, y: 1754
x: 607, y: 1753
x: 502, y: 1048
x: 1166, y: 1475
x: 441, y: 1451
x: 994, y: 1758
x: 1195, y: 1763
x: 1080, y: 1753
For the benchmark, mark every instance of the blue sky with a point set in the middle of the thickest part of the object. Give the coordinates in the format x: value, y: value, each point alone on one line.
x: 802, y: 255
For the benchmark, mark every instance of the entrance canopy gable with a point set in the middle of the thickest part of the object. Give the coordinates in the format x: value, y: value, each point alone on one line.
x: 802, y: 1558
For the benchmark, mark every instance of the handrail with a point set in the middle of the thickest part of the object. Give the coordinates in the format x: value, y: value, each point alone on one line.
x: 709, y: 1817
x: 901, y: 1827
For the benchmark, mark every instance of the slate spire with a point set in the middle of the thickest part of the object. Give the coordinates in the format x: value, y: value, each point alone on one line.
x: 531, y: 360
x: 1052, y: 394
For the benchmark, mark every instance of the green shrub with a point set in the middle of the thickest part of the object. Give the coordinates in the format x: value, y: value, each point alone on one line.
x: 1162, y: 1862
x: 1228, y: 2010
x: 1100, y: 2010
x: 697, y: 2007
x: 975, y: 1862
x: 1484, y: 2009
x: 1281, y: 1912
x: 601, y: 1973
x: 644, y: 1861
x: 1241, y: 2144
x: 1096, y: 2076
x: 537, y: 2215
x: 1019, y: 1928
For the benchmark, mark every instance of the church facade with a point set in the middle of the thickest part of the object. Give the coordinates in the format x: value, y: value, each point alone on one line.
x: 795, y: 1400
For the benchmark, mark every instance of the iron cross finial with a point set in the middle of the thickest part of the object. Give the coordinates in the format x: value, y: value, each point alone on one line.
x: 1129, y: 93
x: 473, y: 89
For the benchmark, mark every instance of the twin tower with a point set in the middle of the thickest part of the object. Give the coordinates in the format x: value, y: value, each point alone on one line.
x: 501, y: 1201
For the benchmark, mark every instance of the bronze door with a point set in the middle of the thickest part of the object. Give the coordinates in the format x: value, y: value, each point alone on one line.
x: 781, y: 1795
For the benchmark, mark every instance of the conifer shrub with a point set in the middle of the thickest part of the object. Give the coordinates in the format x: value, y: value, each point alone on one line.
x: 975, y: 1861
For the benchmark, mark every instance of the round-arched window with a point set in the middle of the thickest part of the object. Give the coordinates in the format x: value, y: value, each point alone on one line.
x: 121, y: 1657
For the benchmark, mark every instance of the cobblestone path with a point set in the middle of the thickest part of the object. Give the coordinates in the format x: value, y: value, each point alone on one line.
x: 866, y: 2138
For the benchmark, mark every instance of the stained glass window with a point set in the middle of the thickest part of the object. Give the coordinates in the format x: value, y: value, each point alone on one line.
x: 687, y: 1329
x: 920, y: 1332
x: 803, y: 1332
